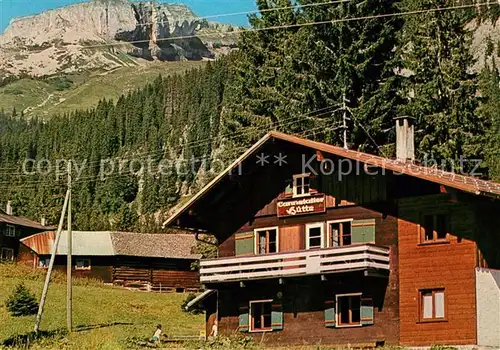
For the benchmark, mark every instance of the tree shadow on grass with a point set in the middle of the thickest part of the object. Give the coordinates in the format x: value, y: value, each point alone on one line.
x: 82, y: 328
x: 27, y: 339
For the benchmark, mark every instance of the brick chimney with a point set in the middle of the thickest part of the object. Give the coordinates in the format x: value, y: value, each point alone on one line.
x: 405, y: 140
x: 8, y: 208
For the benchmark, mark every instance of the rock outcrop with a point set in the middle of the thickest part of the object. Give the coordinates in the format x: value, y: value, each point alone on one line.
x: 101, y: 34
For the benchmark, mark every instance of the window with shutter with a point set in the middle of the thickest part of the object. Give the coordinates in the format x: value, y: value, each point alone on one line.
x: 366, y: 311
x: 243, y: 318
x: 348, y: 310
x: 244, y: 243
x: 363, y: 231
x: 261, y: 312
x: 339, y: 233
x: 330, y: 313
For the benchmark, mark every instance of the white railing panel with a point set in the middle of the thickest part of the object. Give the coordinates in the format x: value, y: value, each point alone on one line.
x: 306, y: 262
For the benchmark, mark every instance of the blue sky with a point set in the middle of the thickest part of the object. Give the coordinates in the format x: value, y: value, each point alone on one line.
x: 18, y: 8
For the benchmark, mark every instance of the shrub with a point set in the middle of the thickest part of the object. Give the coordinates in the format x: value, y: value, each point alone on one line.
x: 22, y: 302
x: 194, y: 310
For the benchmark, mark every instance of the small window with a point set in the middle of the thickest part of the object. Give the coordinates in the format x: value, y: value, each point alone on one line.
x: 314, y: 236
x: 340, y: 233
x: 434, y: 227
x: 266, y: 240
x: 82, y: 264
x: 10, y: 231
x: 432, y: 305
x: 7, y: 254
x: 260, y: 315
x: 301, y: 185
x: 349, y: 310
x: 43, y: 263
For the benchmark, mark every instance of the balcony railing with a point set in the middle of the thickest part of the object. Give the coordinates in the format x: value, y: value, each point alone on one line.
x: 300, y: 263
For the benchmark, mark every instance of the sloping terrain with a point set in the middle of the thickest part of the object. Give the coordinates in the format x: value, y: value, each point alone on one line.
x: 122, y: 314
x: 68, y: 92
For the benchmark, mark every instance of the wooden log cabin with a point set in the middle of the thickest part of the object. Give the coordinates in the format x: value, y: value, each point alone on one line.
x: 323, y: 245
x: 153, y: 262
x: 12, y: 229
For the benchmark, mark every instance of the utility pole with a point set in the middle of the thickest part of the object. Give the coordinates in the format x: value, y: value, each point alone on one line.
x: 69, y: 264
x: 51, y: 263
x: 344, y: 126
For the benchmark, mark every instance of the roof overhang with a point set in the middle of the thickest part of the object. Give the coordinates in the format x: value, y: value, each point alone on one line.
x: 199, y: 299
x: 460, y: 182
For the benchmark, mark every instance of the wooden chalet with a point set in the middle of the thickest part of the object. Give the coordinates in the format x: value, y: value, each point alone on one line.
x: 156, y: 262
x: 323, y: 245
x: 13, y: 228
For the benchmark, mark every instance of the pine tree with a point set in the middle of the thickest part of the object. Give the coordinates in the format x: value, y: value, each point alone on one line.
x: 304, y: 69
x: 489, y: 109
x: 439, y: 85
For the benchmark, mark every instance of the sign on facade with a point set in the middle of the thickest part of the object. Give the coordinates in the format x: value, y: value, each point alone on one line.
x: 301, y: 206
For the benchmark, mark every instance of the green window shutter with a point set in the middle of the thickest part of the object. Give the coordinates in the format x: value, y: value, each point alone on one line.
x: 330, y: 313
x: 244, y: 243
x: 243, y: 318
x: 363, y: 231
x: 288, y: 190
x: 366, y: 311
x: 277, y: 316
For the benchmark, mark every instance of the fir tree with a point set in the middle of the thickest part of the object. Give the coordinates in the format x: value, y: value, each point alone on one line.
x: 21, y: 302
x: 490, y: 110
x: 439, y: 85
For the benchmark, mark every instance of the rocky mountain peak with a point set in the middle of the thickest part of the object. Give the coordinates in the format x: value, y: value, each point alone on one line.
x: 101, y: 34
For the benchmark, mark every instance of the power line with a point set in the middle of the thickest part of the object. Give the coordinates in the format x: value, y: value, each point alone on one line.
x: 368, y: 134
x: 254, y: 131
x: 41, y: 183
x: 230, y: 14
x: 307, y: 24
x: 289, y: 121
x: 423, y: 11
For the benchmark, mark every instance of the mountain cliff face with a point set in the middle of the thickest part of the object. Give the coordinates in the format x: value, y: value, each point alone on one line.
x: 75, y: 37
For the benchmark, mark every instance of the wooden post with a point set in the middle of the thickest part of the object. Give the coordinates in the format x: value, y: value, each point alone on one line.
x: 344, y: 123
x: 51, y: 263
x: 69, y: 263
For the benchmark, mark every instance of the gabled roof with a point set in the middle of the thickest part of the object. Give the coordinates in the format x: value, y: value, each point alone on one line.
x: 106, y: 243
x: 460, y: 182
x: 20, y: 221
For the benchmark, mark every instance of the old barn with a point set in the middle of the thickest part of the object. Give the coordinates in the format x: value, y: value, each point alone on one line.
x: 157, y: 262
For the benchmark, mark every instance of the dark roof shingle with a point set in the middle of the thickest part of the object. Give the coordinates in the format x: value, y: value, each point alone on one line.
x: 177, y: 246
x: 20, y: 221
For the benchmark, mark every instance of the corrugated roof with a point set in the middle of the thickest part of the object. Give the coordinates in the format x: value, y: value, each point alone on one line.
x: 461, y: 182
x: 93, y: 243
x: 20, y: 221
x: 106, y: 243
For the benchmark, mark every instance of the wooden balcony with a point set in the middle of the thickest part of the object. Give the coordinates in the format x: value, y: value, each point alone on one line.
x: 292, y: 264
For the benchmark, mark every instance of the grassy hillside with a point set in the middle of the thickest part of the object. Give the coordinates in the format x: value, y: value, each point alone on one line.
x: 105, y: 317
x: 48, y: 96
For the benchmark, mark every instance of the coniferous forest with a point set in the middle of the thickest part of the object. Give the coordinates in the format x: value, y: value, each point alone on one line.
x: 298, y: 78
